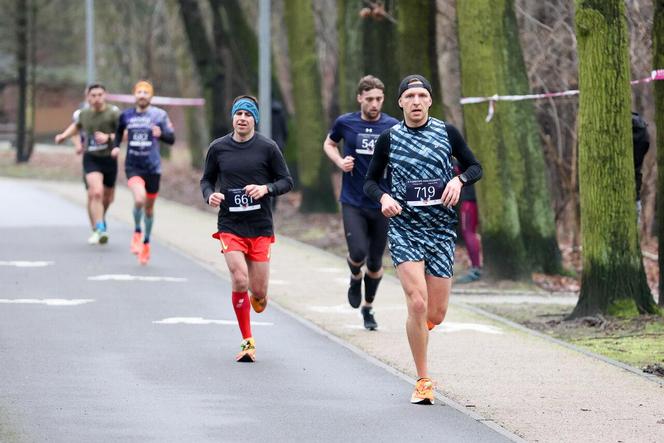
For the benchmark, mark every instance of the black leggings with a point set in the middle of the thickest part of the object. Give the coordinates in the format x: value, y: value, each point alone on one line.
x: 366, y: 235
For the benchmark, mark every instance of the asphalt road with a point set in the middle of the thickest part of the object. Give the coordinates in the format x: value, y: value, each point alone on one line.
x: 95, y: 348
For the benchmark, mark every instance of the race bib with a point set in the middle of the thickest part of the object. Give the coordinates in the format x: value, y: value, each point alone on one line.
x: 424, y: 192
x: 92, y: 144
x: 365, y: 143
x: 238, y: 201
x: 140, y: 138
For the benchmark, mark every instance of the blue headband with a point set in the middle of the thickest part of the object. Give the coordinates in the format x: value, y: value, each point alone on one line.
x: 245, y: 104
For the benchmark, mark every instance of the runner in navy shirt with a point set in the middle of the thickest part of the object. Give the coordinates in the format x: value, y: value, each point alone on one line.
x: 364, y: 224
x: 146, y: 126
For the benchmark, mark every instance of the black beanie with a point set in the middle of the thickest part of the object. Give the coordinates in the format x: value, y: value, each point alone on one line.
x: 421, y: 83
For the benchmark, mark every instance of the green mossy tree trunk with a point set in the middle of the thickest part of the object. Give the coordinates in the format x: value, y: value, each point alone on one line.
x: 227, y: 62
x: 416, y: 47
x: 613, y: 279
x: 520, y: 130
x: 482, y: 49
x: 314, y: 173
x: 380, y: 61
x: 350, y: 67
x: 658, y: 63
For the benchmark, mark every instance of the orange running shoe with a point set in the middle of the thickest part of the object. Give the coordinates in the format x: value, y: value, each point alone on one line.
x: 136, y: 243
x: 430, y: 325
x: 144, y: 256
x: 258, y: 304
x: 247, y: 352
x: 423, y: 394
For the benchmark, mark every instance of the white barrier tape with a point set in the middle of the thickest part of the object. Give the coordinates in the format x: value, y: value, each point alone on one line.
x: 157, y: 100
x: 657, y: 74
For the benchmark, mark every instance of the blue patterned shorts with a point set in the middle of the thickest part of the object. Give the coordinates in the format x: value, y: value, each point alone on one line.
x: 435, y: 248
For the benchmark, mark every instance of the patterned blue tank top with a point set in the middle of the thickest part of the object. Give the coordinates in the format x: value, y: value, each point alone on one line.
x: 421, y: 159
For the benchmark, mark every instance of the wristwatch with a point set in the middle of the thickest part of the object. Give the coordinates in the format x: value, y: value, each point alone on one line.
x: 462, y: 179
x: 270, y: 188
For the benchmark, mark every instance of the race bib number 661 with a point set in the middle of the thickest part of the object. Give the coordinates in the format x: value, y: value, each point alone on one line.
x: 238, y: 201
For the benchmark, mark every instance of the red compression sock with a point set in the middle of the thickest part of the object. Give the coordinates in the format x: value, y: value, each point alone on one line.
x: 242, y: 312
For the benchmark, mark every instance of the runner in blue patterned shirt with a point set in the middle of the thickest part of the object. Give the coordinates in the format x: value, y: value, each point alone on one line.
x: 364, y: 225
x: 417, y: 154
x: 146, y: 126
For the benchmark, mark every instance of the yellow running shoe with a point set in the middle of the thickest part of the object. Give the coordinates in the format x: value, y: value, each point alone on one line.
x: 144, y: 256
x: 258, y: 304
x: 423, y: 394
x: 136, y: 243
x: 247, y: 353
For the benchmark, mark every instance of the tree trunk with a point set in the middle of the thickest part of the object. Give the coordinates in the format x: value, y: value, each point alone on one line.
x: 209, y: 66
x: 613, y: 279
x: 481, y: 39
x: 313, y: 171
x: 350, y: 68
x: 381, y: 36
x: 416, y: 45
x: 658, y: 63
x: 538, y: 227
x: 447, y: 44
x: 22, y: 148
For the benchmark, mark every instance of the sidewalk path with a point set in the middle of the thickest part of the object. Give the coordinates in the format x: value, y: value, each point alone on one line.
x: 534, y: 388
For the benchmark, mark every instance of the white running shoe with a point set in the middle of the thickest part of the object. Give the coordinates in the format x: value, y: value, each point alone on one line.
x: 94, y: 238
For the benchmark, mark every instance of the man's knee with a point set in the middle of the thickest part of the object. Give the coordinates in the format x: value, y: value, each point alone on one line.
x: 416, y: 302
x: 95, y: 193
x: 240, y: 280
x: 437, y: 316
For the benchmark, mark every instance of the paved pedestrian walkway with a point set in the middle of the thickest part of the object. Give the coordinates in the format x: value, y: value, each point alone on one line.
x: 537, y: 389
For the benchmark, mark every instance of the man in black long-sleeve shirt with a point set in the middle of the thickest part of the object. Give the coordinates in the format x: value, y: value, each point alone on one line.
x: 418, y: 154
x: 250, y: 171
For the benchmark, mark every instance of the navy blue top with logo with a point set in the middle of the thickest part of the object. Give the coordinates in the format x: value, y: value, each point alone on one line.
x: 360, y: 138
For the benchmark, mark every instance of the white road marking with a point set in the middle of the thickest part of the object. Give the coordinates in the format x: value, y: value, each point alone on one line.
x: 279, y: 282
x: 330, y: 270
x: 346, y: 309
x: 27, y: 264
x: 203, y: 321
x: 127, y: 277
x: 47, y: 301
x: 363, y: 328
x: 459, y: 327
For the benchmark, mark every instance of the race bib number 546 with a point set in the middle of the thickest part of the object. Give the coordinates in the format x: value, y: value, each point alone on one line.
x: 238, y: 201
x: 424, y: 192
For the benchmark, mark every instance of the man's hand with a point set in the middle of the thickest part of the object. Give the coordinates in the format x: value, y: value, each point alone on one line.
x: 452, y: 192
x: 115, y: 152
x: 156, y: 131
x: 389, y: 206
x: 101, y: 137
x: 215, y: 199
x: 255, y: 191
x: 59, y: 138
x: 346, y: 164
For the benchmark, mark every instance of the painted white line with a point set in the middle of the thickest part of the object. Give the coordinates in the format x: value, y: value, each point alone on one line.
x: 279, y: 282
x: 331, y: 270
x: 27, y: 264
x: 46, y: 301
x: 342, y: 281
x: 204, y: 321
x: 127, y: 277
x: 363, y: 328
x: 459, y: 327
x: 346, y: 309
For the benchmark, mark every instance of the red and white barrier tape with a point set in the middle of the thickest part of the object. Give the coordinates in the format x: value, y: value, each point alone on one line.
x: 654, y: 75
x: 156, y: 100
